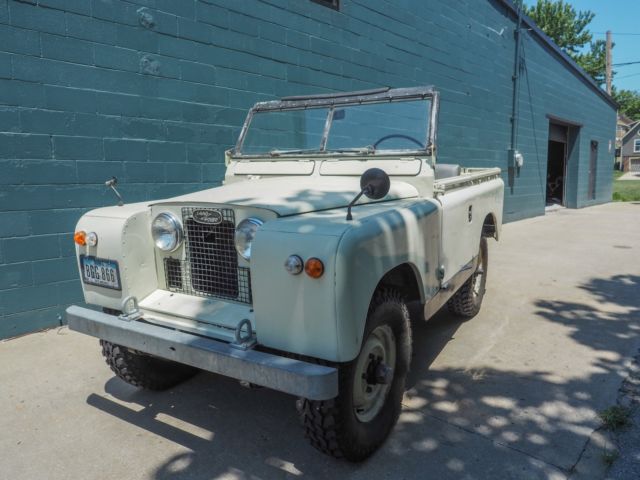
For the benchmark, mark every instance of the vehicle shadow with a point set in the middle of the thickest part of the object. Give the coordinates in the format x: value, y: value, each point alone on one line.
x: 229, y: 429
x: 474, y: 422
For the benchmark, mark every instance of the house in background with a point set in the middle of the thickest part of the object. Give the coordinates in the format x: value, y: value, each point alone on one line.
x: 623, y: 126
x: 630, y: 149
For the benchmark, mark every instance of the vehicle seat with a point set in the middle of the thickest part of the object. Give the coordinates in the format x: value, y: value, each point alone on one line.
x: 446, y: 170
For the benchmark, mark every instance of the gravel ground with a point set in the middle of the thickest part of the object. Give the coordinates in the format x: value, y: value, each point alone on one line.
x: 627, y: 466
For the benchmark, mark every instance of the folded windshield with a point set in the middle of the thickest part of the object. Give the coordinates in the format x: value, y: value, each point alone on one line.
x: 363, y: 128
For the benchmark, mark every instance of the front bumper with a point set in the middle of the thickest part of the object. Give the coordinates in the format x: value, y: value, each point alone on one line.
x: 304, y: 379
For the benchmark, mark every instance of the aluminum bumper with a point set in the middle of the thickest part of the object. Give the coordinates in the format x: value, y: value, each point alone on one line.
x: 287, y: 375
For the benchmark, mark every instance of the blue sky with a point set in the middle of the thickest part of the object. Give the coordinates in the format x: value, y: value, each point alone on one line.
x: 619, y: 16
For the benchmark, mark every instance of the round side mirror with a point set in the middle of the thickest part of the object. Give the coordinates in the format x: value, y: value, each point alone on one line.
x: 375, y: 183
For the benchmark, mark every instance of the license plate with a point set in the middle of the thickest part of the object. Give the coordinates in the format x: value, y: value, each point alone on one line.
x: 101, y: 272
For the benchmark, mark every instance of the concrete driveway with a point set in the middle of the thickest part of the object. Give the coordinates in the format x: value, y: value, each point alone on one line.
x: 630, y: 176
x: 513, y: 393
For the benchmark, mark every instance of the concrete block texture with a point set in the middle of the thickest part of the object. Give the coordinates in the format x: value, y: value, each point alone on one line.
x: 154, y: 91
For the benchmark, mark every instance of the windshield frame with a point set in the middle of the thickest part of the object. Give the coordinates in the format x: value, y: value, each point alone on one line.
x: 331, y: 101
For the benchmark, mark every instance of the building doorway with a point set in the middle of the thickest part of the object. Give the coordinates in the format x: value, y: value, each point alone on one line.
x: 556, y: 164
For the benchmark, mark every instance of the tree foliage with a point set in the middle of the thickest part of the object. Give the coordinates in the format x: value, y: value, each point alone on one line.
x: 567, y: 27
x: 629, y: 101
x: 594, y: 62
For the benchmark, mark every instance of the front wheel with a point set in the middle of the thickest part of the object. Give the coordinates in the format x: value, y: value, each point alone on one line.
x: 355, y: 423
x: 466, y: 302
x: 144, y: 371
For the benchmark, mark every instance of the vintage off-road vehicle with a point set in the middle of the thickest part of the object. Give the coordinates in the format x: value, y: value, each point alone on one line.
x: 296, y: 273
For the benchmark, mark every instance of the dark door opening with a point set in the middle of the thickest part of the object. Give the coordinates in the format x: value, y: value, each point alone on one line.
x: 556, y: 164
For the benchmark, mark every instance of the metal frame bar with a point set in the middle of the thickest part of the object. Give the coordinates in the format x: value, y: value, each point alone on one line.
x: 433, y: 123
x: 304, y: 379
x: 330, y: 101
x: 332, y: 4
x: 327, y: 128
x: 471, y: 177
x: 346, y: 98
x: 371, y: 91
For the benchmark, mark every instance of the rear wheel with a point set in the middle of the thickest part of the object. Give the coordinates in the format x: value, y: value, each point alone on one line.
x: 466, y: 302
x: 355, y: 423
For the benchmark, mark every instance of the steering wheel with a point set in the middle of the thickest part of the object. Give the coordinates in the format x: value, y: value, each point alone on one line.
x: 397, y: 135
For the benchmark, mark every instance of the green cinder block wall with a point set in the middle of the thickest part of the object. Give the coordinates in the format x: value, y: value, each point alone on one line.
x: 154, y: 91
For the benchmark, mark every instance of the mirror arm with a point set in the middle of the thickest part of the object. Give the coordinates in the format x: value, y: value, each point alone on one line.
x: 111, y: 183
x: 353, y: 202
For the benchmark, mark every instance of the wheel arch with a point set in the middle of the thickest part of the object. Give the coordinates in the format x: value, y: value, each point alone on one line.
x: 404, y: 278
x: 490, y: 227
x: 388, y: 249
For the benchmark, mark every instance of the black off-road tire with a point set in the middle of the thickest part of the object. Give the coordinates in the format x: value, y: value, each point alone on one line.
x: 466, y: 302
x: 332, y: 426
x: 144, y: 371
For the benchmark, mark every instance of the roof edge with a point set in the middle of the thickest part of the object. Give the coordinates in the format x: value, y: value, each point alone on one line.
x: 566, y: 58
x: 632, y: 130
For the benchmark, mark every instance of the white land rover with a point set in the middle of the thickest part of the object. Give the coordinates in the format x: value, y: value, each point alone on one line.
x: 296, y: 273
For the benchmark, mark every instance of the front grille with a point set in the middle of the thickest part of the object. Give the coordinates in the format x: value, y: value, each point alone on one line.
x: 210, y: 268
x: 173, y: 272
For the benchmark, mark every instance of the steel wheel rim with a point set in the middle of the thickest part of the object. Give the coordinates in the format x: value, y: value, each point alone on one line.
x: 368, y: 399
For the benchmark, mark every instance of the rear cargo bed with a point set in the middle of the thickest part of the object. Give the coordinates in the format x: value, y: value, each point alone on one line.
x: 468, y: 177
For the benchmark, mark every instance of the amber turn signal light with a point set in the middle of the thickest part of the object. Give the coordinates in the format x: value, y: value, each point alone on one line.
x: 314, y: 268
x: 80, y: 238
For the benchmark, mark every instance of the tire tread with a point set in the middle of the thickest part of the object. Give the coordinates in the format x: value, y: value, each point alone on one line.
x: 462, y: 303
x: 321, y: 419
x: 144, y: 371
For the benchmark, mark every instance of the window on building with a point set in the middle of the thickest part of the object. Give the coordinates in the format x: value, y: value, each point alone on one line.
x: 636, y: 146
x: 335, y: 4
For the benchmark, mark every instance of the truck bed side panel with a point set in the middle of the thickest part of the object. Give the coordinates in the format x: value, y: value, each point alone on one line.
x: 464, y: 211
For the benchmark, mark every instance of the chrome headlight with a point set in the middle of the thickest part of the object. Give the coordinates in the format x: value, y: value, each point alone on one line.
x: 245, y: 233
x: 166, y: 231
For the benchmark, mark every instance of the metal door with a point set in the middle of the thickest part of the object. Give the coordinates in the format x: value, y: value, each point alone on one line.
x: 593, y: 158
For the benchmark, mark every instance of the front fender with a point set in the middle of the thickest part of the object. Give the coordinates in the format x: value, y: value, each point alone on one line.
x: 325, y: 318
x: 369, y: 250
x: 125, y: 237
x: 294, y: 313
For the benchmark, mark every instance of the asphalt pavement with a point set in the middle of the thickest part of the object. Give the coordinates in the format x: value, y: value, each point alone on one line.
x: 511, y: 394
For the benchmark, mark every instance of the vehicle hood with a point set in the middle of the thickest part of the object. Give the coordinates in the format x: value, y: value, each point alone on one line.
x: 291, y: 196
